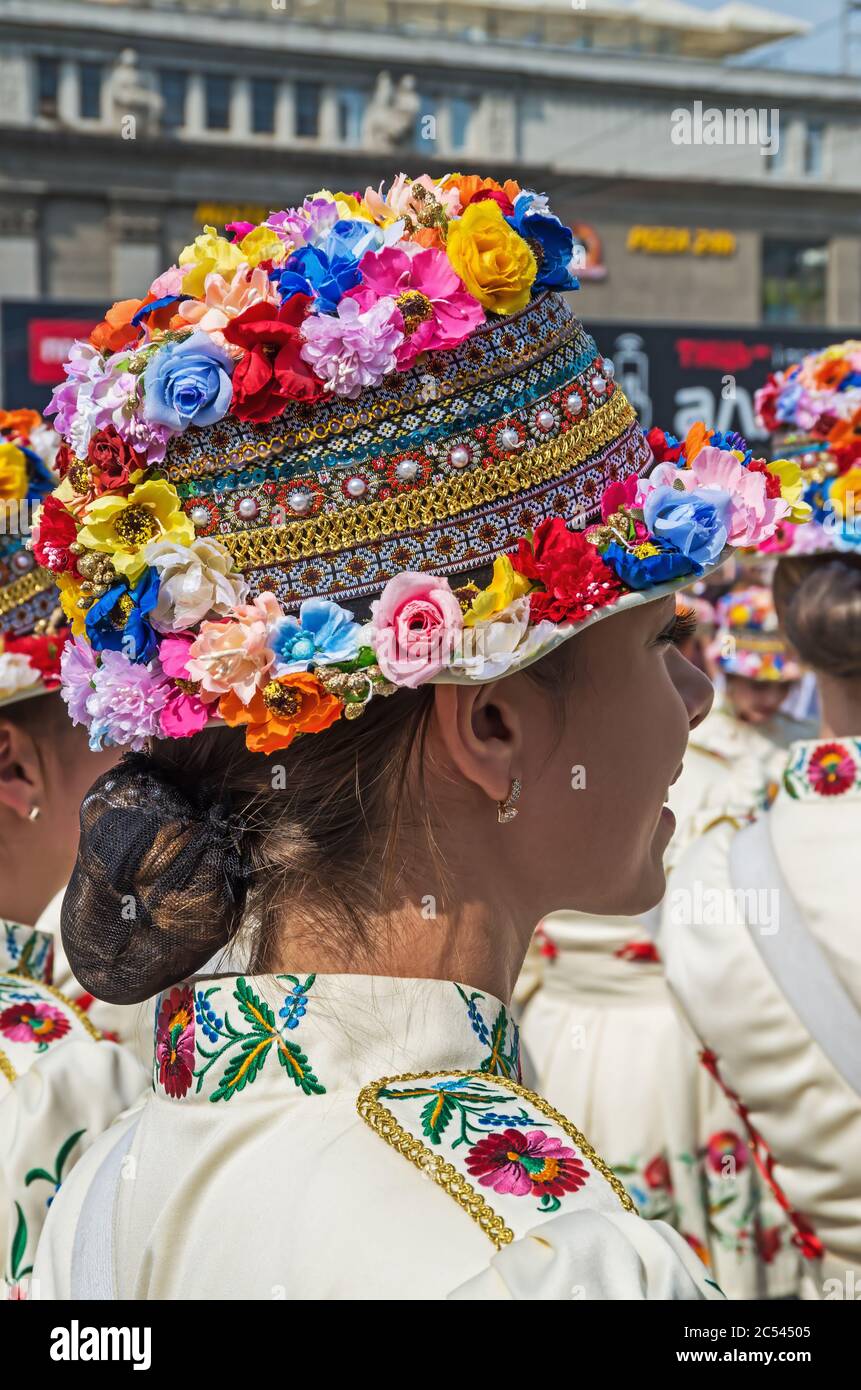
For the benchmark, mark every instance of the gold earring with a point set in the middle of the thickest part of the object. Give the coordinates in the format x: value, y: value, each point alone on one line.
x: 34, y: 813
x: 506, y: 810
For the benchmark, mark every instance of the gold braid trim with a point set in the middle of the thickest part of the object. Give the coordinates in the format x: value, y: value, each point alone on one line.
x: 444, y: 1174
x: 423, y: 507
x: 27, y: 587
x: 6, y: 1069
x: 63, y: 998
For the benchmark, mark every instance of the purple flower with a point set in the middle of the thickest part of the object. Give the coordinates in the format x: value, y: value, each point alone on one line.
x: 307, y: 225
x: 353, y: 349
x: 188, y: 383
x: 77, y: 668
x: 125, y: 704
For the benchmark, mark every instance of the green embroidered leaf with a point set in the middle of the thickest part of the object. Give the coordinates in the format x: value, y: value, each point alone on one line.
x: 243, y: 1066
x: 256, y: 1011
x: 65, y: 1151
x: 496, y: 1063
x: 37, y: 1174
x: 296, y: 1064
x: 436, y: 1115
x: 19, y: 1243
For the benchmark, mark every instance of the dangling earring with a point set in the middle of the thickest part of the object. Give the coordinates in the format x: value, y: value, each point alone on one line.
x: 506, y: 810
x: 34, y: 813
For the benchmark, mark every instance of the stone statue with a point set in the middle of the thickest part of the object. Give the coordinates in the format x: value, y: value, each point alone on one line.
x: 391, y: 115
x: 131, y: 93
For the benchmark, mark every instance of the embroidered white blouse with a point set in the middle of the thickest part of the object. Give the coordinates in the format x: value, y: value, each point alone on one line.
x: 349, y: 1137
x: 803, y: 1115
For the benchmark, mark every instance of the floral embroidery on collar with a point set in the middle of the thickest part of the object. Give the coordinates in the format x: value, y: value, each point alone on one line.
x: 828, y: 769
x: 503, y: 1058
x: 27, y: 950
x: 27, y: 1017
x: 187, y: 1020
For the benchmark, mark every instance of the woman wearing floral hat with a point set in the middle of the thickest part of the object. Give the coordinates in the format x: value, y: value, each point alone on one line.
x: 381, y: 487
x: 760, y: 923
x: 58, y: 1090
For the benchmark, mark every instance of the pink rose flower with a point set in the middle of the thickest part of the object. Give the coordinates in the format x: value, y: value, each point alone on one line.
x: 753, y: 516
x: 224, y: 300
x: 416, y: 624
x: 184, y: 713
x: 235, y: 655
x: 434, y: 307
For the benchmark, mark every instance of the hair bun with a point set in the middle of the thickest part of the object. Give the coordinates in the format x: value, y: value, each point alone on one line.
x: 158, y: 886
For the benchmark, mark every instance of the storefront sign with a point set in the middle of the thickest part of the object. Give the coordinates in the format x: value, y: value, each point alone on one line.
x: 681, y: 241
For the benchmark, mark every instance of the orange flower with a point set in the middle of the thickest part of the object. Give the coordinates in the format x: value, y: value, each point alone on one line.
x: 845, y: 432
x: 428, y: 236
x: 468, y: 185
x: 117, y: 331
x: 831, y: 372
x: 696, y: 439
x: 290, y: 705
x: 19, y: 423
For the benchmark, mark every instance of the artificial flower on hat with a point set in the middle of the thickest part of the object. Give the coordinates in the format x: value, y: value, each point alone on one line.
x: 286, y: 706
x: 122, y: 527
x: 493, y: 260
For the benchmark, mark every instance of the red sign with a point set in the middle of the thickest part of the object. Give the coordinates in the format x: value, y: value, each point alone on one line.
x: 48, y: 344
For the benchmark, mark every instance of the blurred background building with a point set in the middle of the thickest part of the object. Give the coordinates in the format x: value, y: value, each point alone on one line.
x: 127, y: 126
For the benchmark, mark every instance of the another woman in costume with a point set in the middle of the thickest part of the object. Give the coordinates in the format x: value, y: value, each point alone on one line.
x: 388, y: 478
x: 760, y: 926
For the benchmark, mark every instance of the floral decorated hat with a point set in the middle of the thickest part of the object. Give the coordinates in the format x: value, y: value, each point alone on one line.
x: 365, y: 444
x: 33, y: 627
x: 748, y: 642
x: 813, y: 411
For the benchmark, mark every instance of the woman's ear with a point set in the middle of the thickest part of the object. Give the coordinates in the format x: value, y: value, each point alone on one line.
x: 482, y: 733
x: 21, y: 782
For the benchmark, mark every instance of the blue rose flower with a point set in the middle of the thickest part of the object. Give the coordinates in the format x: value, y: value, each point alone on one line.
x: 693, y: 522
x: 118, y: 620
x: 313, y: 271
x: 649, y: 570
x: 323, y: 633
x: 354, y: 236
x: 551, y: 241
x: 188, y: 383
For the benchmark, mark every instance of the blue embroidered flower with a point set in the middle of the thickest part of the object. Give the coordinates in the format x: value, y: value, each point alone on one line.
x: 643, y: 572
x: 295, y: 1007
x: 207, y: 1019
x: 693, y: 522
x: 118, y: 620
x: 325, y: 277
x: 188, y: 383
x: 491, y: 1118
x: 551, y: 241
x: 323, y: 633
x: 478, y: 1024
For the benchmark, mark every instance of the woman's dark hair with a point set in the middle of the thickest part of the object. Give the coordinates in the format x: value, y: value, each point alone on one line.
x: 818, y: 601
x: 183, y: 847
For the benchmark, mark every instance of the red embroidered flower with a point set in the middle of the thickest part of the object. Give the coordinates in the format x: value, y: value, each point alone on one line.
x: 271, y: 373
x: 723, y: 1145
x: 768, y: 1243
x: 57, y: 530
x: 174, y: 1048
x: 43, y: 652
x: 34, y: 1023
x: 112, y: 459
x: 663, y: 452
x: 644, y: 952
x: 522, y: 1163
x: 831, y: 770
x: 576, y: 580
x: 657, y: 1173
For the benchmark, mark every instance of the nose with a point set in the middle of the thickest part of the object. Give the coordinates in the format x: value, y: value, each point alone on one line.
x: 693, y: 685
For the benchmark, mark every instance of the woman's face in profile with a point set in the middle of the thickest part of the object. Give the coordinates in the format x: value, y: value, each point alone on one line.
x: 600, y: 825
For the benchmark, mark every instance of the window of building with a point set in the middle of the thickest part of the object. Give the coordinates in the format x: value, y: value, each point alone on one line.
x: 351, y: 115
x: 461, y: 111
x: 174, y: 94
x: 814, y: 148
x: 90, y: 91
x: 263, y: 96
x: 217, y: 100
x: 794, y: 276
x: 47, y: 86
x: 308, y: 96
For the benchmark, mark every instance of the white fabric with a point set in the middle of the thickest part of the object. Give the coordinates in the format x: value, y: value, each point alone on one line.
x: 259, y: 1190
x: 93, y: 1255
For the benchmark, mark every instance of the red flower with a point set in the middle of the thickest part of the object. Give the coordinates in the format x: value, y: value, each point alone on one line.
x: 112, y: 459
x: 520, y: 1164
x: 830, y: 770
x: 663, y: 452
x: 43, y: 653
x: 57, y: 530
x: 768, y: 1243
x: 34, y: 1023
x: 494, y: 195
x: 643, y: 951
x: 772, y: 482
x: 174, y: 1048
x: 271, y: 373
x: 576, y: 580
x: 63, y: 459
x: 657, y: 1173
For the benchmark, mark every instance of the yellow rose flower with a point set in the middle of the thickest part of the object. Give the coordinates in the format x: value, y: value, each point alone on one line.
x: 846, y: 487
x: 13, y: 472
x: 493, y: 261
x: 123, y: 526
x: 262, y: 245
x: 70, y: 592
x: 207, y: 253
x: 791, y: 487
x: 506, y: 585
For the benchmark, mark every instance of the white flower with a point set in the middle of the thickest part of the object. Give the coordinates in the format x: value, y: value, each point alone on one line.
x: 16, y: 674
x: 195, y: 582
x: 488, y: 649
x: 45, y: 442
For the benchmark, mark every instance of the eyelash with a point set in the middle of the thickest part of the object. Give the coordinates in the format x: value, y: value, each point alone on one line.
x: 682, y: 626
